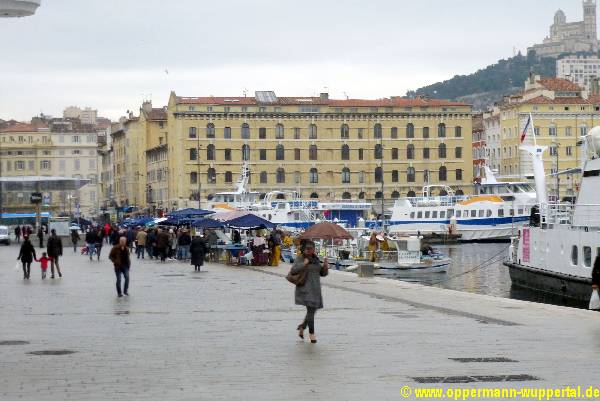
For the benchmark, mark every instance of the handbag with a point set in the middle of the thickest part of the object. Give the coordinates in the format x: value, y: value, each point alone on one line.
x: 298, y: 279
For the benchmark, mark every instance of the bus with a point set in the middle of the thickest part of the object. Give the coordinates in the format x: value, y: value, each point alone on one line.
x: 22, y: 219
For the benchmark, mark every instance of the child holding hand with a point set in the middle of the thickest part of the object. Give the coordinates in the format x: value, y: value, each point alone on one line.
x: 44, y: 263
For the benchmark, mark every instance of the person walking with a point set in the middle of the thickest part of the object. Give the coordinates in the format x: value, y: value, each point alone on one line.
x: 373, y: 247
x: 40, y: 235
x: 100, y: 241
x: 91, y: 239
x: 140, y: 240
x: 309, y: 294
x: 18, y: 234
x: 184, y: 243
x: 197, y: 251
x: 150, y: 243
x: 54, y: 249
x: 162, y: 244
x: 26, y: 256
x: 43, y: 264
x: 74, y: 239
x: 119, y: 255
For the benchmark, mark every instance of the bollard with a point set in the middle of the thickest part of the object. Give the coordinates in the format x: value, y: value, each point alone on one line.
x: 366, y: 270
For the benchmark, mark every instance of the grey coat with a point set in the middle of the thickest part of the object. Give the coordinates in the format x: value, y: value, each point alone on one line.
x: 310, y: 293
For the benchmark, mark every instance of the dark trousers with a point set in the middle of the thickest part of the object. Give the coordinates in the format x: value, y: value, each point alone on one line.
x: 41, y: 242
x: 309, y: 320
x: 98, y: 249
x: 26, y: 269
x: 123, y: 270
x: 163, y: 253
x: 75, y: 246
x: 139, y: 251
x: 54, y: 262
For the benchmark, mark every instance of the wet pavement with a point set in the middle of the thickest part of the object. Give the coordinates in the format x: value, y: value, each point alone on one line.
x: 229, y: 334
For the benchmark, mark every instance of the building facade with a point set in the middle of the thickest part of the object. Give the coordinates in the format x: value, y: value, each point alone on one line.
x: 491, y: 126
x: 320, y: 147
x: 571, y: 37
x: 478, y: 147
x: 580, y: 70
x: 37, y: 150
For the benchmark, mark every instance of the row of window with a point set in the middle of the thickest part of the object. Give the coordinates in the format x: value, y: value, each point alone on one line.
x: 46, y: 164
x: 313, y: 153
x: 280, y: 176
x: 311, y: 109
x: 46, y: 139
x: 312, y: 132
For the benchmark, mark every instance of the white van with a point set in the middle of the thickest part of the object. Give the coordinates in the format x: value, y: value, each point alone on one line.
x: 4, y: 235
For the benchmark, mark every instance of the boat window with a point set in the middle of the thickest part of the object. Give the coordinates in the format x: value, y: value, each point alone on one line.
x: 574, y: 255
x: 489, y: 213
x: 458, y: 213
x: 520, y: 212
x: 587, y: 256
x: 434, y: 214
x: 512, y: 212
x: 427, y: 214
x: 412, y: 215
x: 450, y: 213
x: 473, y: 213
x: 419, y: 215
x: 443, y: 214
x: 500, y: 212
x: 481, y: 212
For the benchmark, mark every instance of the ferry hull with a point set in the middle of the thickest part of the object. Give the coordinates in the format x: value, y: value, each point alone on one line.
x: 560, y: 284
x: 466, y: 231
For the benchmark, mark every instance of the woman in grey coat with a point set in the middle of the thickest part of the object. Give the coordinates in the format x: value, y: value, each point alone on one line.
x: 309, y: 294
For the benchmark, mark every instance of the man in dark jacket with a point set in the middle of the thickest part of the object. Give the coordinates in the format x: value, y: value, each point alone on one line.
x: 40, y: 235
x: 162, y: 244
x: 91, y: 239
x: 54, y: 248
x: 150, y: 243
x: 119, y: 255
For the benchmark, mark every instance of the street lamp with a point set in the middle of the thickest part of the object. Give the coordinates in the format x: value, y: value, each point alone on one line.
x: 198, y: 180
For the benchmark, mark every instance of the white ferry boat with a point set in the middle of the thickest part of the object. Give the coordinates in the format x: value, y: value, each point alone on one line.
x: 497, y: 210
x: 556, y: 254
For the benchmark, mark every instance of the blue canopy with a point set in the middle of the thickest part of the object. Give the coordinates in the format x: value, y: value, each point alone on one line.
x: 207, y: 223
x: 189, y: 213
x: 250, y: 222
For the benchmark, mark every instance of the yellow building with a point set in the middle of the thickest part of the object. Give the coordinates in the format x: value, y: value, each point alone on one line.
x: 562, y: 112
x: 320, y: 147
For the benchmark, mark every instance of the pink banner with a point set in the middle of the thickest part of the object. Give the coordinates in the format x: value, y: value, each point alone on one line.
x: 526, y: 245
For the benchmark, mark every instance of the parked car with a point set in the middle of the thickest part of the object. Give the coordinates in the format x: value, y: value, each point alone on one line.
x: 4, y: 235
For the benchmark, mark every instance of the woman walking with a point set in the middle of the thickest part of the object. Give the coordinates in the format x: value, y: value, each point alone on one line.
x: 26, y: 256
x: 197, y: 251
x: 309, y: 294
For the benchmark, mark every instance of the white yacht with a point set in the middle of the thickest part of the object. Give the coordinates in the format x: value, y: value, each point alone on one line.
x: 556, y: 254
x: 240, y: 198
x: 495, y: 212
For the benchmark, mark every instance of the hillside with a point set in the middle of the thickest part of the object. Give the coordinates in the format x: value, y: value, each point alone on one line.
x: 488, y: 85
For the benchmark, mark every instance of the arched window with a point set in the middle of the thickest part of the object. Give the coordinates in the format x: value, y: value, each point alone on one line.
x: 411, y: 194
x: 361, y: 195
x: 314, y: 195
x: 210, y: 152
x: 346, y: 195
x: 377, y: 131
x: 314, y: 176
x: 279, y: 131
x: 192, y: 133
x: 378, y: 195
x: 378, y: 174
x: 263, y: 177
x: 312, y: 152
x: 443, y: 174
x: 410, y: 174
x: 345, y: 175
x: 443, y: 192
x: 245, y: 152
x: 211, y: 176
x: 345, y: 152
x: 378, y: 151
x: 245, y: 131
x: 280, y: 176
x: 210, y: 130
x: 410, y: 151
x: 410, y: 130
x: 441, y: 130
x: 312, y: 131
x: 345, y: 131
x: 442, y: 151
x: 279, y: 152
x: 458, y: 131
x: 395, y: 195
x: 394, y: 133
x: 228, y: 177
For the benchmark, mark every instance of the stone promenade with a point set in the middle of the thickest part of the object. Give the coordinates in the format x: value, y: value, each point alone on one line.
x: 229, y: 334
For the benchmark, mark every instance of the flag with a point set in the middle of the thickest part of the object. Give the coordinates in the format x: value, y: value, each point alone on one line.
x: 527, y: 124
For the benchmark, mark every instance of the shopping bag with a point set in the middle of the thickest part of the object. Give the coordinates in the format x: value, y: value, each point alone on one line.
x: 595, y: 300
x: 18, y: 265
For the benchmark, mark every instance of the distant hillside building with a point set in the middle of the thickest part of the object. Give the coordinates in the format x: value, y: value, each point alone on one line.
x: 571, y: 37
x: 581, y: 70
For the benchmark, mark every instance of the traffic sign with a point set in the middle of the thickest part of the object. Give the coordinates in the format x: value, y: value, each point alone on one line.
x: 36, y: 197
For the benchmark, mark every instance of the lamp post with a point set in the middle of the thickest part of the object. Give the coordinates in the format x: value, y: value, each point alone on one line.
x: 556, y: 147
x: 198, y: 180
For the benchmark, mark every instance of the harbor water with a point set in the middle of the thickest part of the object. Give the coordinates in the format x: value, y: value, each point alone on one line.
x: 477, y: 268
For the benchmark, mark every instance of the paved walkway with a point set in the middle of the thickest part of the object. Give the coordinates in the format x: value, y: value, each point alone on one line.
x: 229, y: 334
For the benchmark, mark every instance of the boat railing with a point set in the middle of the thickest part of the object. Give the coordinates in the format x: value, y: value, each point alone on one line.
x: 437, y: 200
x: 567, y: 214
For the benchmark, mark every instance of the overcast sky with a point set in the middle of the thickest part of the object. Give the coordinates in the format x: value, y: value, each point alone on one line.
x: 112, y: 54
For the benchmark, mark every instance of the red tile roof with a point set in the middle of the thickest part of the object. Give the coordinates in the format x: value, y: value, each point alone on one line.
x: 300, y: 100
x: 558, y: 100
x: 157, y: 114
x: 24, y: 127
x: 559, y: 84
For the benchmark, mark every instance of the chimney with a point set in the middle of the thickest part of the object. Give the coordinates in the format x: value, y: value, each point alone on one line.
x: 147, y: 106
x: 531, y: 78
x: 324, y: 96
x: 595, y: 86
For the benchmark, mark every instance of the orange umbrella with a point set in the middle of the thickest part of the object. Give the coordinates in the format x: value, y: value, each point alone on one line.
x: 326, y: 230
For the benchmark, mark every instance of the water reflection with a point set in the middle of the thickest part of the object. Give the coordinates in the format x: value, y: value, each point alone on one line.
x: 478, y: 268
